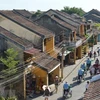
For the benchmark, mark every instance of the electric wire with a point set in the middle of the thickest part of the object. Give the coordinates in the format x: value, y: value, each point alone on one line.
x: 21, y: 70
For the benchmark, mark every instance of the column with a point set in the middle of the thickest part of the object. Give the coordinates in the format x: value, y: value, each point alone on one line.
x: 47, y: 79
x: 75, y: 55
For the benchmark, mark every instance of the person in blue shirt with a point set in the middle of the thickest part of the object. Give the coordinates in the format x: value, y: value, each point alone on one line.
x: 88, y: 63
x: 83, y: 66
x: 80, y: 73
x: 66, y: 87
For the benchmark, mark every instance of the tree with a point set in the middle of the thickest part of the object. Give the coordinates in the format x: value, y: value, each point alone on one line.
x: 72, y: 10
x: 97, y: 26
x: 10, y: 61
x: 37, y: 13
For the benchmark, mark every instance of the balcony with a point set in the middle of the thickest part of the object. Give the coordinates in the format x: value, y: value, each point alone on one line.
x: 74, y: 43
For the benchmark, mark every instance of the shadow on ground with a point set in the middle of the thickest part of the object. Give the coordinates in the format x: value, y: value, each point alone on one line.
x: 81, y: 98
x: 34, y: 96
x: 62, y: 98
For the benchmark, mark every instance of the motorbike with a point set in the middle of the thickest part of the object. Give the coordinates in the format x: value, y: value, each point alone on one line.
x: 67, y: 94
x: 79, y: 79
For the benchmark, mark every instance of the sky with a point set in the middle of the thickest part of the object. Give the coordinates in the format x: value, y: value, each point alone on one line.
x: 44, y: 5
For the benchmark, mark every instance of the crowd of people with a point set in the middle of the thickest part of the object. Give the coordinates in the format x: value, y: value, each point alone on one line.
x: 93, y: 69
x: 84, y: 68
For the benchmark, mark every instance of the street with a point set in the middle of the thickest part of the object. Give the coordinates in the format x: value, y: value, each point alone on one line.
x: 70, y: 73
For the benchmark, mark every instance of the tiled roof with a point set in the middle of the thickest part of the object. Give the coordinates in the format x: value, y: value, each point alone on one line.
x: 66, y: 19
x: 23, y: 42
x: 27, y: 24
x: 23, y: 12
x: 46, y: 62
x: 62, y: 23
x: 32, y: 51
x: 93, y: 92
x: 43, y: 60
x: 93, y: 15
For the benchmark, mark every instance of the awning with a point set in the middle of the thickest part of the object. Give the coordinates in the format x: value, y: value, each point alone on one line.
x: 46, y: 62
x: 65, y: 53
x: 32, y: 51
x: 54, y: 68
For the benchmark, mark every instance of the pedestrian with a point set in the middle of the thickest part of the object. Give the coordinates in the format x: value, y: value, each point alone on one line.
x: 46, y: 93
x: 98, y: 51
x: 97, y: 61
x: 92, y: 71
x: 90, y: 54
x: 88, y: 63
x: 56, y: 82
x: 34, y: 84
x: 87, y: 85
x: 95, y: 54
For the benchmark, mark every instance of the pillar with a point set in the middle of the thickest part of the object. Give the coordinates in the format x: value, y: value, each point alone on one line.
x: 75, y: 55
x: 24, y: 81
x: 80, y: 52
x: 47, y: 78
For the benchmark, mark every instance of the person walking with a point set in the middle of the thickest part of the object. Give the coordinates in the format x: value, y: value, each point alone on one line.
x: 65, y: 88
x: 87, y: 85
x: 88, y: 63
x: 90, y: 54
x: 92, y: 71
x: 46, y: 93
x: 95, y: 54
x: 56, y: 82
x: 98, y: 51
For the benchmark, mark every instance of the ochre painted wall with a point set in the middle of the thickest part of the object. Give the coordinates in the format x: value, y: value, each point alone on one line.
x: 79, y: 52
x: 56, y: 72
x: 82, y: 30
x: 49, y: 45
x: 41, y: 77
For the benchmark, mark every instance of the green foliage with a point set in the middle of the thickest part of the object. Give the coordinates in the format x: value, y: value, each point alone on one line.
x: 9, y: 60
x: 9, y: 98
x: 86, y: 35
x: 72, y: 10
x: 2, y: 98
x: 97, y: 25
x: 38, y: 13
x: 70, y: 49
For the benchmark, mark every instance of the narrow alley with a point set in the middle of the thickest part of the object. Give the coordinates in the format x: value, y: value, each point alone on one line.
x: 70, y: 74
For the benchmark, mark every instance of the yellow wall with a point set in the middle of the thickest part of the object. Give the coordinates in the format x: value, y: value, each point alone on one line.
x: 40, y: 73
x: 82, y: 30
x: 56, y: 72
x: 43, y: 75
x: 49, y: 44
x: 79, y: 52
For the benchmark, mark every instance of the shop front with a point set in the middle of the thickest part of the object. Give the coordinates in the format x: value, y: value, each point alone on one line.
x: 43, y: 71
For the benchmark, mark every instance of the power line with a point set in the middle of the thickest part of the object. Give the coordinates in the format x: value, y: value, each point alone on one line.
x: 21, y: 68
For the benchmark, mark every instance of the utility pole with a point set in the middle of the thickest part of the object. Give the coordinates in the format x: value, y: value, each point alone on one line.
x: 62, y: 60
x: 24, y: 80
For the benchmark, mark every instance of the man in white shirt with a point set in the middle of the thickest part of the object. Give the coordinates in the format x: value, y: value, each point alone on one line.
x: 92, y: 71
x: 87, y: 85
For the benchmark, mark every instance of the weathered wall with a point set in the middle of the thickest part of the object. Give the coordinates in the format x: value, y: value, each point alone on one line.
x: 53, y: 26
x: 20, y: 31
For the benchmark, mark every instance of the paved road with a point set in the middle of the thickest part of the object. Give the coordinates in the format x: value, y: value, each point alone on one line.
x: 70, y: 73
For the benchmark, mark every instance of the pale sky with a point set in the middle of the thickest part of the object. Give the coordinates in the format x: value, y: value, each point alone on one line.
x: 44, y: 5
